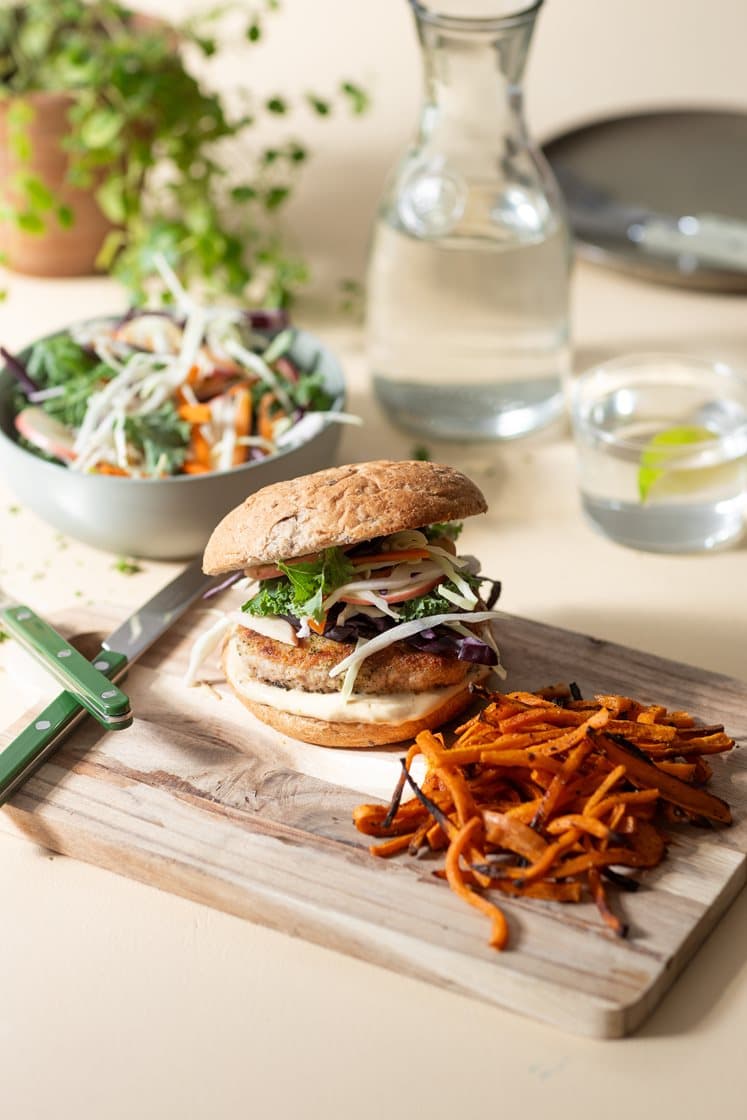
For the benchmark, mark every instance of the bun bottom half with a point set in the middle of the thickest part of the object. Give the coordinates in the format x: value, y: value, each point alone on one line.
x: 325, y: 733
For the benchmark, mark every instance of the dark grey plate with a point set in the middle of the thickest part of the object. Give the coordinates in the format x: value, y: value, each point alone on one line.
x: 675, y: 162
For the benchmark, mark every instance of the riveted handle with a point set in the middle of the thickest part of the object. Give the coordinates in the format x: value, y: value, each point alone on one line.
x: 87, y: 683
x: 27, y: 751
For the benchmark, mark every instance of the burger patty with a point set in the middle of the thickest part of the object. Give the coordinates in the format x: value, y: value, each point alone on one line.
x: 398, y: 668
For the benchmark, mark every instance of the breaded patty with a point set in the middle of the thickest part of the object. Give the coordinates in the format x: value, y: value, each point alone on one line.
x: 398, y: 668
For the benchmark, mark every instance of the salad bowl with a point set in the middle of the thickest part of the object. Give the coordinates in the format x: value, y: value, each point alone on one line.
x: 165, y: 517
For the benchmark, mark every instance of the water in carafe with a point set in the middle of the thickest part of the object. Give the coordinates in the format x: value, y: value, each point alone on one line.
x: 467, y: 294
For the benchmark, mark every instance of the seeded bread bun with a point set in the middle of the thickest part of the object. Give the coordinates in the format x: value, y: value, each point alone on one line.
x: 337, y: 507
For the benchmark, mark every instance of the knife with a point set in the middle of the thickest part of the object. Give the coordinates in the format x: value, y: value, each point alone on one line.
x: 21, y: 757
x: 106, y: 703
x: 689, y: 241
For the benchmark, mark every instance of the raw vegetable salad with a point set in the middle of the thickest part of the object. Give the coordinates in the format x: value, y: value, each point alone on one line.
x: 155, y: 393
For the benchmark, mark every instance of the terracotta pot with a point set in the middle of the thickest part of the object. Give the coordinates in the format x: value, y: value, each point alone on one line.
x: 56, y: 251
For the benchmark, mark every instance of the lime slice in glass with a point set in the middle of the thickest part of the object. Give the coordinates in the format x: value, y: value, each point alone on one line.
x: 657, y: 467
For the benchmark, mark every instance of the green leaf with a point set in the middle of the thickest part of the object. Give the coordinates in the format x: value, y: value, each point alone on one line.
x: 276, y: 105
x: 243, y: 193
x: 254, y: 31
x: 60, y: 361
x: 448, y: 529
x: 319, y: 104
x: 100, y: 127
x: 161, y: 438
x: 207, y: 45
x: 111, y: 198
x: 275, y: 596
x: 113, y: 242
x: 305, y: 587
x: 20, y: 114
x: 38, y: 193
x: 421, y: 453
x: 660, y: 454
x: 357, y: 97
x: 30, y: 222
x: 20, y: 145
x: 275, y: 196
x: 425, y: 605
x: 65, y: 217
x: 126, y: 566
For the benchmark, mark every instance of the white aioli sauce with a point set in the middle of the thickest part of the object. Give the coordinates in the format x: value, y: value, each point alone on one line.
x: 360, y: 708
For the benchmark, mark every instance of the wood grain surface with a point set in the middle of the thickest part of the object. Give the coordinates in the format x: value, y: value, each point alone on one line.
x: 200, y: 799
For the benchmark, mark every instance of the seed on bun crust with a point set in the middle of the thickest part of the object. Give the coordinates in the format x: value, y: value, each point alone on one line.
x: 338, y: 507
x: 364, y: 627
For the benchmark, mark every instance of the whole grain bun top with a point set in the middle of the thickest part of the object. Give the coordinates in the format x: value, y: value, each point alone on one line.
x: 340, y: 506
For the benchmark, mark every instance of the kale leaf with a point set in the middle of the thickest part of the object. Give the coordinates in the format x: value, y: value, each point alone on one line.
x: 425, y: 605
x: 275, y: 596
x: 60, y: 362
x: 302, y: 588
x: 161, y: 438
x: 448, y: 529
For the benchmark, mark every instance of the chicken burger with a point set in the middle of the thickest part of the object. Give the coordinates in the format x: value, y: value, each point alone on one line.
x: 362, y: 625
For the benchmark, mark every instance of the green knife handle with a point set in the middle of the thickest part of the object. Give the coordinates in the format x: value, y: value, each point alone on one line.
x: 44, y: 734
x: 107, y: 703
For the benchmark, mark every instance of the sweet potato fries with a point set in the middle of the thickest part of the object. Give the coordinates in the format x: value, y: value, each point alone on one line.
x: 546, y: 795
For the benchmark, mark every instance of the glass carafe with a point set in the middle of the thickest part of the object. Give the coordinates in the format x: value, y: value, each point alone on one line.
x: 467, y: 290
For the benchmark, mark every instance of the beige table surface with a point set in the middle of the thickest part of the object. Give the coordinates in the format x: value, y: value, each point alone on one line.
x: 118, y: 1000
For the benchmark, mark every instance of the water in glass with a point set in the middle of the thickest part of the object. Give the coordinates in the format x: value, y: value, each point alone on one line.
x: 663, y: 460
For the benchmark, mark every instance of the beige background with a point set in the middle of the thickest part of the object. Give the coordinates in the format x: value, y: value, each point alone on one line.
x: 120, y: 1001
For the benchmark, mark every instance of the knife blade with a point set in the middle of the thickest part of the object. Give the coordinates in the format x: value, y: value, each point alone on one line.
x: 689, y: 241
x: 21, y: 757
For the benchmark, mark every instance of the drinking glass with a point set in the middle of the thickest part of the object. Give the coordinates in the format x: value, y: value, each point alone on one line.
x: 661, y: 441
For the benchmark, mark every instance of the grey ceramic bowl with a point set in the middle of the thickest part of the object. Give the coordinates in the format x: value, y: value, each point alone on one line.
x: 166, y: 518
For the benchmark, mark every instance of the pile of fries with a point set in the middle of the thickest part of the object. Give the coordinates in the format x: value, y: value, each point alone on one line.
x: 546, y: 795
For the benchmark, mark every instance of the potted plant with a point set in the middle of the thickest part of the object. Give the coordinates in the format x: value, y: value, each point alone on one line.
x: 109, y: 151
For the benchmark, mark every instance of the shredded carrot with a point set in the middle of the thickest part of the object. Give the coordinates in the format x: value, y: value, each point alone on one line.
x: 111, y: 469
x: 542, y: 795
x: 266, y: 416
x: 194, y: 413
x: 393, y: 557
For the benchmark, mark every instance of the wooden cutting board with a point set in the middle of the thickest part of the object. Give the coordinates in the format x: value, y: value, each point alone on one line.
x: 200, y: 799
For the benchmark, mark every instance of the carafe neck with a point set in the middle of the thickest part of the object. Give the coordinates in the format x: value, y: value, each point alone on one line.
x: 473, y: 67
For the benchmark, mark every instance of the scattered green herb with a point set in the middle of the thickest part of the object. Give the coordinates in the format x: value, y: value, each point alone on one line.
x: 127, y: 567
x: 351, y: 297
x: 14, y: 509
x: 3, y: 636
x: 421, y: 453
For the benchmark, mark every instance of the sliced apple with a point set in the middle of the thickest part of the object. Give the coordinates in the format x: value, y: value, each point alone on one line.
x: 412, y: 592
x: 46, y: 433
